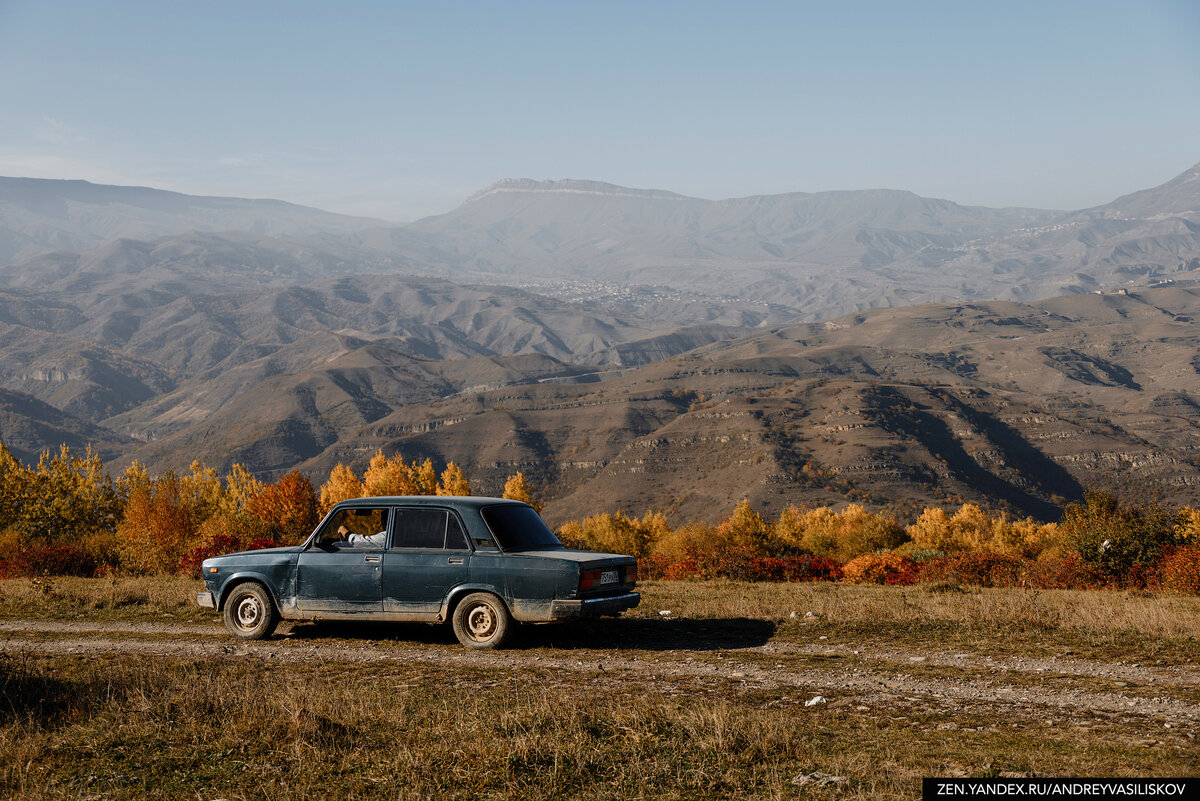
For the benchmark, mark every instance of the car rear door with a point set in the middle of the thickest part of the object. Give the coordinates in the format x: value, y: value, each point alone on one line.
x: 428, y: 557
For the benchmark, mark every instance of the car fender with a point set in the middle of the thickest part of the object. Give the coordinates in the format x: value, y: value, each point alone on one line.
x: 243, y: 576
x: 459, y: 591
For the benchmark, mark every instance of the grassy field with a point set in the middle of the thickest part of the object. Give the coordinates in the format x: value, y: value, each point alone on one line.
x: 120, y: 688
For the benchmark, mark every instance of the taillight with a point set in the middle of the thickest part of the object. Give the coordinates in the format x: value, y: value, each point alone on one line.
x: 589, y: 579
x: 631, y: 574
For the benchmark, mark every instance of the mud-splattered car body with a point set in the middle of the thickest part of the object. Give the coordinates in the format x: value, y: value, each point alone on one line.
x: 420, y: 558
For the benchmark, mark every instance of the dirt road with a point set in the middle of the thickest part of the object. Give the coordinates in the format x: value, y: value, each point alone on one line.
x: 1071, y: 690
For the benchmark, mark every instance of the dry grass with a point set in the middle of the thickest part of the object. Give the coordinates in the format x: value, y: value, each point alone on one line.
x: 140, y: 727
x: 1104, y: 624
x: 114, y: 598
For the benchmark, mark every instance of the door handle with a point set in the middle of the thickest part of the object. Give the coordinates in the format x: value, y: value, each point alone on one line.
x: 371, y: 557
x: 454, y: 560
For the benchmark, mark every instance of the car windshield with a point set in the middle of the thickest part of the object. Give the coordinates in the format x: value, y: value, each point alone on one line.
x: 519, y: 528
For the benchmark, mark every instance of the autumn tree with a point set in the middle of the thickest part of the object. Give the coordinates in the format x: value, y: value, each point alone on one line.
x: 972, y: 529
x: 68, y: 497
x: 16, y: 484
x: 840, y: 536
x: 616, y: 533
x: 343, y: 484
x: 517, y: 488
x: 426, y: 477
x: 745, y: 528
x: 1117, y: 538
x: 453, y: 481
x: 386, y: 476
x: 160, y: 524
x: 288, y: 507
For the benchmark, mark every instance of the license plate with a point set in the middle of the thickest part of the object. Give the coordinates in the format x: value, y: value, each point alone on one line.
x: 610, y: 577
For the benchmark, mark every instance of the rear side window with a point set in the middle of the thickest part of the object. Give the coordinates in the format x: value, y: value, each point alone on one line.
x: 428, y: 528
x: 420, y: 528
x: 455, y: 539
x: 519, y: 528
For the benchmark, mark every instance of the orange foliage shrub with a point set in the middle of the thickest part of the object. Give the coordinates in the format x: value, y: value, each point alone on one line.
x: 978, y: 568
x: 49, y: 560
x: 1179, y: 570
x: 742, y: 565
x: 1063, y: 572
x: 880, y: 568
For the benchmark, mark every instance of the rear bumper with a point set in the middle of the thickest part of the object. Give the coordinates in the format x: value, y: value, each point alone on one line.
x: 206, y: 600
x: 591, y: 607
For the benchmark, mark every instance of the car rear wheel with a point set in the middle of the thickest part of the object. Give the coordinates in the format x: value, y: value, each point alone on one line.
x: 481, y: 621
x: 249, y: 613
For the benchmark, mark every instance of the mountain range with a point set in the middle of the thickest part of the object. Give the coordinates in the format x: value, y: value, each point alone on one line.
x: 626, y: 347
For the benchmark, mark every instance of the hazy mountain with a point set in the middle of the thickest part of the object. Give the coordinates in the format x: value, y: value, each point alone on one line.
x: 38, y: 216
x: 1020, y: 405
x: 641, y: 361
x: 154, y: 344
x: 819, y: 252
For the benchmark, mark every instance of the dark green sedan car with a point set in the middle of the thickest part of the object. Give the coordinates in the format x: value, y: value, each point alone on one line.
x: 477, y: 563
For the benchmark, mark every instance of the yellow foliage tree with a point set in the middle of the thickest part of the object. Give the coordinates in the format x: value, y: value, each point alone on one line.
x: 203, y: 490
x: 840, y: 536
x: 386, y: 476
x: 932, y: 531
x: 745, y: 528
x: 343, y: 484
x: 1187, y: 526
x: 453, y: 482
x: 972, y: 529
x: 426, y: 477
x: 69, y: 497
x: 617, y: 533
x: 689, y: 540
x: 241, y: 487
x: 16, y: 483
x: 517, y: 488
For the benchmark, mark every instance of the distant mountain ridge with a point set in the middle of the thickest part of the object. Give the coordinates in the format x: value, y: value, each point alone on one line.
x: 42, y: 215
x: 609, y: 340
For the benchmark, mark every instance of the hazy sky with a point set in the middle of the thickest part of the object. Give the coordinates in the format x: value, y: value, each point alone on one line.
x: 403, y: 109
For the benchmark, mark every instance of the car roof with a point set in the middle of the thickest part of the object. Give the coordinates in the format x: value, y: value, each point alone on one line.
x: 459, y: 501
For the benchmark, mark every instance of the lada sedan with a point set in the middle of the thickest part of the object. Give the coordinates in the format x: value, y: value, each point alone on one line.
x: 477, y: 563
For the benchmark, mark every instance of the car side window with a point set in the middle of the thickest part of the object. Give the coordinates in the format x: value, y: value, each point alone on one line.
x: 355, y: 527
x: 456, y: 540
x: 420, y: 528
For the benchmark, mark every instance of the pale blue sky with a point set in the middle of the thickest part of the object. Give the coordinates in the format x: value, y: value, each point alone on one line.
x: 399, y: 110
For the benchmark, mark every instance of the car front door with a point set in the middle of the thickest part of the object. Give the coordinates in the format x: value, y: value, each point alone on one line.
x: 342, y: 573
x: 428, y: 557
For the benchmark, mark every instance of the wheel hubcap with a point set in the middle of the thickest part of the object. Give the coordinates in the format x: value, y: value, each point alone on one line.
x: 248, y: 612
x: 480, y: 622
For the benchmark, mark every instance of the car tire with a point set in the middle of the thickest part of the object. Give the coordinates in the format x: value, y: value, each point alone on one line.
x: 482, y: 621
x: 249, y: 612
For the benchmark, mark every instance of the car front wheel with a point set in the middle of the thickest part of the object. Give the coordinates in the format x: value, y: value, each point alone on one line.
x: 249, y: 613
x: 481, y: 621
